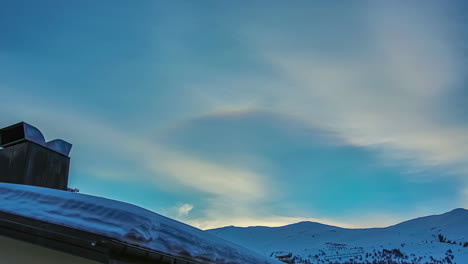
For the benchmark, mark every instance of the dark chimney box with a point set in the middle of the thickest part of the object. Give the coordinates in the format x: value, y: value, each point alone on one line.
x: 27, y: 159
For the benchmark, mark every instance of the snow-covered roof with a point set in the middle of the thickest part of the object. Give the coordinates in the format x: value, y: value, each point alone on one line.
x: 124, y: 222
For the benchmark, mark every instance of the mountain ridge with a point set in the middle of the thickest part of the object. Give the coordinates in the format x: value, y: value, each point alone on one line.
x: 431, y: 239
x: 358, y: 228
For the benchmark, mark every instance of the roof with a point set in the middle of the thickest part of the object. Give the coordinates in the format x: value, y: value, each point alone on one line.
x: 122, y: 223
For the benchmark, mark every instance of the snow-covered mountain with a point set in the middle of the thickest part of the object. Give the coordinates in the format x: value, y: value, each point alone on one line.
x: 431, y: 239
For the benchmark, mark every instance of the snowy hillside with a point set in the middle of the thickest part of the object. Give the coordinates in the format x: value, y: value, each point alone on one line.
x: 432, y: 239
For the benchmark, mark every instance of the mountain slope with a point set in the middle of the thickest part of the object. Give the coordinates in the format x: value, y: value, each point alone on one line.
x: 431, y: 239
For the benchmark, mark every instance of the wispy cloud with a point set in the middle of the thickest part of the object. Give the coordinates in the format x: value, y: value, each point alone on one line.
x: 184, y: 209
x: 387, y: 97
x: 166, y: 165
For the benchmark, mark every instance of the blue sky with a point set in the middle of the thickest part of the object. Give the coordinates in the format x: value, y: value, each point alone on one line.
x: 244, y: 113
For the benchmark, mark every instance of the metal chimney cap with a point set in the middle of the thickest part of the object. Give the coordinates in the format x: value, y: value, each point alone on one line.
x: 22, y: 131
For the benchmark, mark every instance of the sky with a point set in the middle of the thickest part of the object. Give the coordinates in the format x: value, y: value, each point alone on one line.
x: 246, y: 113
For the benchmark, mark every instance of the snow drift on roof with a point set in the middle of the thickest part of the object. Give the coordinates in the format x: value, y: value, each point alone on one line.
x: 124, y: 222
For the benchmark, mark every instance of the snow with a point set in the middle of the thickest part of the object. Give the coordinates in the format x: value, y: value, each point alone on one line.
x: 417, y: 238
x: 124, y: 222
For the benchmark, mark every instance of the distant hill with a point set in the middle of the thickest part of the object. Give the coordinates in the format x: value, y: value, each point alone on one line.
x: 432, y: 239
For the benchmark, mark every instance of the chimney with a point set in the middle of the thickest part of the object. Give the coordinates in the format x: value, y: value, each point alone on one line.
x: 26, y: 158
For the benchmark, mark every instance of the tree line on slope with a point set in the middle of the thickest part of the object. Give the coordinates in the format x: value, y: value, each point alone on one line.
x: 443, y: 239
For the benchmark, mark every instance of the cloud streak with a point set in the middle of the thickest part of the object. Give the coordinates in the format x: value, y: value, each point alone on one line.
x: 167, y: 166
x: 387, y: 97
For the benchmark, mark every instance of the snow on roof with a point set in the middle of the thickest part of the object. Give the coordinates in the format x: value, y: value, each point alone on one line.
x: 122, y: 221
